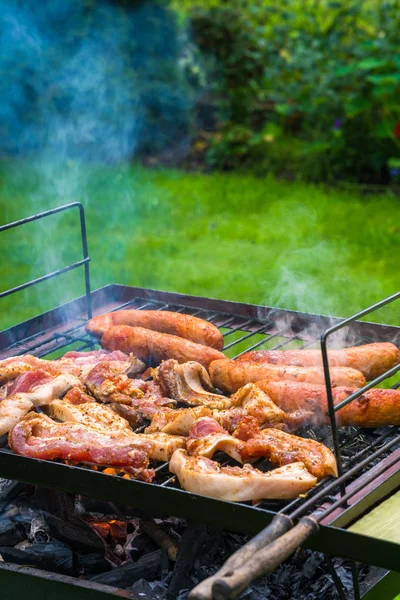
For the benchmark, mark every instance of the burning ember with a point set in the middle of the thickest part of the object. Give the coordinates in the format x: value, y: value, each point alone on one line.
x: 159, y: 559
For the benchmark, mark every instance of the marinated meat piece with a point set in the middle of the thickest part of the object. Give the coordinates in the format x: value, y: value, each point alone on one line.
x: 153, y: 347
x: 258, y: 405
x: 36, y: 389
x: 136, y: 394
x: 38, y: 436
x: 206, y: 477
x: 13, y: 367
x: 119, y: 362
x: 164, y: 444
x: 230, y: 375
x: 207, y: 437
x: 91, y: 414
x: 177, y: 422
x: 189, y: 383
x: 371, y: 359
x: 72, y: 363
x: 282, y: 448
x: 102, y: 418
x: 177, y: 324
x: 77, y: 395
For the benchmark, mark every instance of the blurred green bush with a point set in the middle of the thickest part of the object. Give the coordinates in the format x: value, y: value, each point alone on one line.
x: 306, y: 88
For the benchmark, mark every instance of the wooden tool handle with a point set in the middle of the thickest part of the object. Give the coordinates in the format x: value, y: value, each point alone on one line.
x: 263, y: 562
x: 279, y: 525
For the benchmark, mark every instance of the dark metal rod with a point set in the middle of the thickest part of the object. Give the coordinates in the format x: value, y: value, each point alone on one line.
x: 85, y: 256
x: 84, y: 262
x: 362, y: 313
x: 395, y: 459
x: 367, y: 387
x: 331, y: 410
x: 37, y: 216
x: 28, y: 284
x: 291, y: 506
x: 238, y: 327
x: 325, y: 491
x: 356, y: 581
x: 336, y: 579
x: 227, y: 322
x: 328, y: 383
x: 261, y: 343
x: 245, y: 337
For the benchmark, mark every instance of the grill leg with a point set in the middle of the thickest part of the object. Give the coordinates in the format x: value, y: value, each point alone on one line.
x: 336, y: 579
x: 356, y: 581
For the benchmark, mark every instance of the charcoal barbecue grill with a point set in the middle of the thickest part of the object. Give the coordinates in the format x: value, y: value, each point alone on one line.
x: 375, y: 472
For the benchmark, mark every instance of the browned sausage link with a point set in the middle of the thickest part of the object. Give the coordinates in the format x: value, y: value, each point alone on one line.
x: 153, y: 347
x: 230, y: 375
x: 372, y: 359
x: 192, y: 328
x: 374, y: 408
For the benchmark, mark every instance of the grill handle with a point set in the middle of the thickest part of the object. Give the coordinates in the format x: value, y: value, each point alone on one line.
x: 279, y: 525
x: 264, y: 562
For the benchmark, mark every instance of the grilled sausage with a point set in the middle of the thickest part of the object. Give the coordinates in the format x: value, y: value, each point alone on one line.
x: 374, y: 408
x: 153, y: 347
x: 230, y: 375
x: 192, y: 328
x: 372, y: 359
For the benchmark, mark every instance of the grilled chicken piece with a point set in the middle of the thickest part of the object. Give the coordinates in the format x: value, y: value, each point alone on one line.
x: 230, y: 375
x: 35, y: 388
x: 374, y: 408
x: 38, y: 436
x: 189, y: 383
x: 371, y: 359
x: 136, y: 394
x: 206, y: 477
x: 184, y: 326
x: 104, y: 419
x: 282, y: 448
x: 177, y: 422
x: 153, y: 347
x: 207, y: 437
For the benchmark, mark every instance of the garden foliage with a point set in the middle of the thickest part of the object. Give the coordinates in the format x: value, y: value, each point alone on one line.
x: 304, y: 87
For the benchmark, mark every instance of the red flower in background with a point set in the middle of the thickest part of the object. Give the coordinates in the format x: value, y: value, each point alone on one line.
x: 396, y: 129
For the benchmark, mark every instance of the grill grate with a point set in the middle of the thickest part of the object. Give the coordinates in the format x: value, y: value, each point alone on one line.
x: 239, y: 333
x: 244, y: 327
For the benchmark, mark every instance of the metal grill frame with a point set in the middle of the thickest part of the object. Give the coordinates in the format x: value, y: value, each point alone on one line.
x: 59, y: 328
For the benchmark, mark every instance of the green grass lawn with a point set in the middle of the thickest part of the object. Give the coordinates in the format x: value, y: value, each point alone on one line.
x: 230, y: 236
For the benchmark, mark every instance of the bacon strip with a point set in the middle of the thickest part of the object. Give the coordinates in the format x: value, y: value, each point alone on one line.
x: 37, y: 436
x: 72, y: 363
x: 206, y: 477
x: 104, y: 419
x: 39, y: 390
